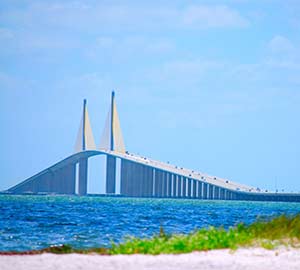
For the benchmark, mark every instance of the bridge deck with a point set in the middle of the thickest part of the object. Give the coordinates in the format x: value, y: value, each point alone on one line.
x: 240, y: 191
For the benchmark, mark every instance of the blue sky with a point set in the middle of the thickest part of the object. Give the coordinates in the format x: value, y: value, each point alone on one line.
x: 208, y: 85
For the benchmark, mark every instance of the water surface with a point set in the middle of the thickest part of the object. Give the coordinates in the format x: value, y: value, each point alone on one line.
x: 35, y: 222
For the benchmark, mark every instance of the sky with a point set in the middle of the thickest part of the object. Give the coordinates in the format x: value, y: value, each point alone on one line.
x: 212, y: 86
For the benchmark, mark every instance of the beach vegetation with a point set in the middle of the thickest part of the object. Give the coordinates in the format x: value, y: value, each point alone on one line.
x: 282, y: 230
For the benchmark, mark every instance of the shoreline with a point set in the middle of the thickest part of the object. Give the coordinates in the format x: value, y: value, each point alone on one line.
x: 222, y: 259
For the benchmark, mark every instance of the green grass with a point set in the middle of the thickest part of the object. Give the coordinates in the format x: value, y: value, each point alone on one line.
x: 282, y: 230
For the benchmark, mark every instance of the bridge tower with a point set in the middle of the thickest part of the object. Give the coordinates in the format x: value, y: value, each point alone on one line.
x: 85, y: 141
x: 112, y: 140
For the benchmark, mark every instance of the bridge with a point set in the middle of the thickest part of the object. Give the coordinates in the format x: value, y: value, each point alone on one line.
x: 139, y: 176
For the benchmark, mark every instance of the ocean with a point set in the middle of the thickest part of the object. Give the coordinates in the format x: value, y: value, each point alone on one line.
x: 29, y: 222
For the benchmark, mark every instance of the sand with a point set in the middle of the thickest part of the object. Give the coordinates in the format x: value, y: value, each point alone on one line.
x: 244, y: 259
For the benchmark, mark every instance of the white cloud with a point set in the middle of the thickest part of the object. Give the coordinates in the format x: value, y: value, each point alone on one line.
x: 98, y: 16
x: 121, y: 28
x: 286, y: 64
x: 187, y: 71
x: 279, y: 44
x: 213, y: 16
x: 126, y: 47
x: 13, y: 83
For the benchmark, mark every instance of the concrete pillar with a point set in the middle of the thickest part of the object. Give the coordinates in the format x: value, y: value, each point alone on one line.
x: 54, y: 185
x: 137, y: 180
x: 158, y: 183
x: 205, y: 189
x: 129, y: 180
x: 211, y: 192
x: 189, y: 187
x: 148, y: 176
x: 123, y: 185
x: 179, y: 179
x: 221, y: 193
x: 83, y: 174
x: 73, y: 179
x: 169, y: 185
x: 225, y: 194
x: 194, y: 188
x: 199, y: 190
x: 67, y: 179
x: 165, y: 184
x: 126, y: 177
x: 183, y: 187
x: 217, y: 193
x: 110, y: 175
x: 41, y: 184
x: 174, y: 192
x: 154, y: 183
x: 144, y: 180
x: 155, y: 193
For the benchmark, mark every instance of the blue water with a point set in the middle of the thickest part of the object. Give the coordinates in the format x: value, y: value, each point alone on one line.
x: 35, y: 222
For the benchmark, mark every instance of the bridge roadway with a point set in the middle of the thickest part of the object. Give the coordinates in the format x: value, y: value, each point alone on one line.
x: 142, y: 177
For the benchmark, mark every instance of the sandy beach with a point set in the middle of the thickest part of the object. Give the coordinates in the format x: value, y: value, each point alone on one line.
x: 253, y: 258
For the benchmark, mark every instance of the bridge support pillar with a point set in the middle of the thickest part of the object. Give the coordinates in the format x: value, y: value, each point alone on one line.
x: 174, y: 193
x: 194, y: 188
x: 68, y: 179
x: 169, y: 185
x: 110, y: 175
x: 183, y: 187
x: 205, y: 189
x: 179, y: 186
x: 165, y: 184
x: 149, y: 183
x: 189, y: 187
x: 210, y: 192
x: 199, y: 190
x: 159, y: 183
x: 83, y: 174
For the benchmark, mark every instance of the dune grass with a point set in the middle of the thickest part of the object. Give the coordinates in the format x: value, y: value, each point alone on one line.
x: 282, y: 230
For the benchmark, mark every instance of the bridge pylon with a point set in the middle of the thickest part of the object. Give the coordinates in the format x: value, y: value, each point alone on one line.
x: 112, y: 140
x: 85, y: 141
x: 85, y: 138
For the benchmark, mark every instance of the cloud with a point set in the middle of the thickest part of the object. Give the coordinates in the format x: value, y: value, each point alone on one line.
x: 185, y: 72
x: 121, y: 49
x: 286, y: 64
x: 283, y: 57
x: 105, y: 16
x: 97, y: 27
x: 280, y: 44
x: 11, y: 84
x: 213, y: 17
x: 190, y: 68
